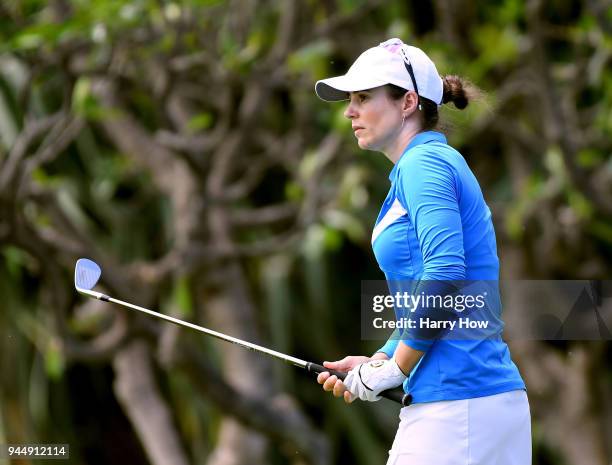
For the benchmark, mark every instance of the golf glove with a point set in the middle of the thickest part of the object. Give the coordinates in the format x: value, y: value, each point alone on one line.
x: 369, y: 379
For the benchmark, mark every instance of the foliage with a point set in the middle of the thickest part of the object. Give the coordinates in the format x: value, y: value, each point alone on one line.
x: 180, y: 144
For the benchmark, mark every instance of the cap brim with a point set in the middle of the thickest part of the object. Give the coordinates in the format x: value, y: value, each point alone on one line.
x: 336, y: 89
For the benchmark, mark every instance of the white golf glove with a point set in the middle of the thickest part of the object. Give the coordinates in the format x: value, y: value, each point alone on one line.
x: 369, y: 379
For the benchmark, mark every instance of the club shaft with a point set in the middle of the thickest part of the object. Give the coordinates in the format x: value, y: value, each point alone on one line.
x: 395, y: 394
x: 210, y: 332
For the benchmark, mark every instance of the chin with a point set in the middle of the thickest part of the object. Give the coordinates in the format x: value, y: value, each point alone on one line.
x: 363, y: 144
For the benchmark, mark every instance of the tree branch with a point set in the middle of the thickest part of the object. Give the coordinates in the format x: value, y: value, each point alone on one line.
x: 556, y: 121
x: 144, y: 405
x: 264, y: 215
x: 32, y: 131
x: 277, y: 417
x: 56, y: 142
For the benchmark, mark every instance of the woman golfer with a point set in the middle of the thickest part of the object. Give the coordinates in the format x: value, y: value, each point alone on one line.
x: 469, y: 402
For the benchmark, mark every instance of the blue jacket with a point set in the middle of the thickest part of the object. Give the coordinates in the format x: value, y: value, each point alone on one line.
x: 435, y: 226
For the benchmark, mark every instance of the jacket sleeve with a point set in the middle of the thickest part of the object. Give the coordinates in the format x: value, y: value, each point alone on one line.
x: 427, y: 188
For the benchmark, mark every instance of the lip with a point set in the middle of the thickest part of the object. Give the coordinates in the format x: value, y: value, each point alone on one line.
x: 357, y: 128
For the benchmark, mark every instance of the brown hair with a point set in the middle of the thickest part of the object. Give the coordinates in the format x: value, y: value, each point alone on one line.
x: 457, y: 90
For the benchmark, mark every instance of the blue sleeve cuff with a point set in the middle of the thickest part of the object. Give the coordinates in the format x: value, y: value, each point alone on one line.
x: 389, y: 348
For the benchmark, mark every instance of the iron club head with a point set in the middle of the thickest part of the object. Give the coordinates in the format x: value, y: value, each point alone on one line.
x: 86, y: 274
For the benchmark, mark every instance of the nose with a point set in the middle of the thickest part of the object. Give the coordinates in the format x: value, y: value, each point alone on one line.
x: 350, y: 111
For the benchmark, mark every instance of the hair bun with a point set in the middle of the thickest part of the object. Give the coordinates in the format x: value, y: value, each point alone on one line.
x: 454, y: 90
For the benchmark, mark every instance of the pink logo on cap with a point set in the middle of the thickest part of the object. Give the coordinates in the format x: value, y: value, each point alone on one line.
x: 393, y: 45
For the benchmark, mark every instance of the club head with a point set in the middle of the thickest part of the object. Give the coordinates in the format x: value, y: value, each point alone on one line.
x: 86, y: 274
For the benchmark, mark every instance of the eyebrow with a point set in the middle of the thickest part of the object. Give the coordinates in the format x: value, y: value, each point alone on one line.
x: 357, y: 92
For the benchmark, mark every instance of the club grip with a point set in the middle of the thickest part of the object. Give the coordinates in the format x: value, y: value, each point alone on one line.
x: 396, y: 394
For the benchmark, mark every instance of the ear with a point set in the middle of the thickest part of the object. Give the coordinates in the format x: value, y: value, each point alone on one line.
x: 410, y: 102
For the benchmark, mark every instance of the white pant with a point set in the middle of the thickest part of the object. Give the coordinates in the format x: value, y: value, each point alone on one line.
x: 491, y: 430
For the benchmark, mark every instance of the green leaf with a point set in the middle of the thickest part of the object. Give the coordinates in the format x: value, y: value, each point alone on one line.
x: 44, y: 179
x: 200, y: 121
x: 55, y: 363
x: 340, y: 123
x: 338, y: 220
x: 497, y: 45
x: 181, y: 296
x: 312, y: 58
x: 14, y: 260
x: 515, y: 217
x: 27, y: 41
x: 294, y: 191
x: 308, y: 165
x: 510, y: 11
x: 579, y: 203
x: 332, y: 239
x: 348, y: 6
x: 601, y: 230
x: 553, y: 160
x: 313, y: 244
x: 589, y: 158
x: 85, y: 104
x: 80, y: 93
x: 399, y: 27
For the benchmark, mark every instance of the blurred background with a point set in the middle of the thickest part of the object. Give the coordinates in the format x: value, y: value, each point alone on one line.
x: 181, y: 146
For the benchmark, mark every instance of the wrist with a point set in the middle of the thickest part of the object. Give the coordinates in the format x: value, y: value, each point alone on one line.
x: 379, y: 356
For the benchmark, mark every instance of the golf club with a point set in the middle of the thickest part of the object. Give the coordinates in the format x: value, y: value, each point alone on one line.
x: 87, y: 273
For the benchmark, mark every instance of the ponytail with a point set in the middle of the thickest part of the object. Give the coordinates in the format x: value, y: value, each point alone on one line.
x: 455, y: 89
x: 458, y: 91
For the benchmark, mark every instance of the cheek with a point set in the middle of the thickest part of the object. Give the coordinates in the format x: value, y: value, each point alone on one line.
x: 379, y: 116
x: 371, y: 120
x: 386, y: 122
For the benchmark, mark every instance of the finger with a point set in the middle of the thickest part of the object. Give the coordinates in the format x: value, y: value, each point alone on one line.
x: 322, y: 377
x: 339, y: 389
x: 348, y: 397
x: 330, y: 365
x: 329, y: 383
x: 340, y: 365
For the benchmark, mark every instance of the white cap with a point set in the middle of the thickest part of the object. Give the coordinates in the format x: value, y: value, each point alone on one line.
x: 385, y: 64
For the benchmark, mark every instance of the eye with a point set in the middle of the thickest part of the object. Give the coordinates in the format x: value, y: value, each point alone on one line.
x: 362, y: 97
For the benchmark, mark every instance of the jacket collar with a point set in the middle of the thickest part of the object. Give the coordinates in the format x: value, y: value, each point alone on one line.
x: 424, y: 137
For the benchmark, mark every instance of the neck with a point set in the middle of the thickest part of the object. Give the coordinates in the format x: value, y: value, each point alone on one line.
x: 396, y: 149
